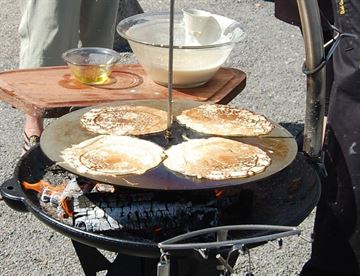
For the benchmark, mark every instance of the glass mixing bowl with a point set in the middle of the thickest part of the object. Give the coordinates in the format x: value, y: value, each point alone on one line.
x: 91, y: 65
x: 202, y: 43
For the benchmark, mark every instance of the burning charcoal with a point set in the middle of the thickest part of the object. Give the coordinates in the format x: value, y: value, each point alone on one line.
x: 48, y: 196
x: 100, y: 213
x: 55, y: 196
x: 59, y: 195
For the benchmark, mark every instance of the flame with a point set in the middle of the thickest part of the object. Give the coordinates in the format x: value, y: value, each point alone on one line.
x: 157, y: 230
x: 41, y: 185
x: 65, y: 204
x: 218, y: 193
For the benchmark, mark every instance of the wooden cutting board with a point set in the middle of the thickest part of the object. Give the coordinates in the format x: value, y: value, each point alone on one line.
x: 50, y: 91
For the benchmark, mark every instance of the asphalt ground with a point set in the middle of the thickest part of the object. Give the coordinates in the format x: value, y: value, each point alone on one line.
x: 272, y: 55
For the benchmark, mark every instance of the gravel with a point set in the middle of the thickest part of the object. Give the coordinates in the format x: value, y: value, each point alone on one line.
x: 271, y: 55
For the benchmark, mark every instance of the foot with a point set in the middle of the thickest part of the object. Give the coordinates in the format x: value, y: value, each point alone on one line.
x: 32, y: 132
x: 29, y: 142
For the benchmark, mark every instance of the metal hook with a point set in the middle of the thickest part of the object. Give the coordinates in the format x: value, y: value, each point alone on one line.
x: 278, y: 245
x: 249, y: 273
x: 308, y: 240
x: 243, y: 249
x: 163, y: 266
x: 164, y: 256
x: 225, y: 263
x: 203, y: 253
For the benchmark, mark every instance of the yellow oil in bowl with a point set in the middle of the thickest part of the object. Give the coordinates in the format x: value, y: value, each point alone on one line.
x: 91, y: 65
x: 91, y: 74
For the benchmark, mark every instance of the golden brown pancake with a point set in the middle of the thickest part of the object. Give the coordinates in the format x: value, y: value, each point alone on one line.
x: 216, y: 158
x: 224, y: 120
x: 124, y: 120
x: 113, y: 155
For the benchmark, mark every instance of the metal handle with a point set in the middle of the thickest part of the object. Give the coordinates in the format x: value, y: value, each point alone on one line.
x: 13, y: 195
x: 170, y: 243
x: 315, y: 96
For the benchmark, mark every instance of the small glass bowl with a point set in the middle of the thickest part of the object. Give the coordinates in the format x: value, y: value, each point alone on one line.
x: 91, y: 65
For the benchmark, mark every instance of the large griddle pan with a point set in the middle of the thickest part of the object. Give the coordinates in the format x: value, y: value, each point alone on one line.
x: 66, y: 131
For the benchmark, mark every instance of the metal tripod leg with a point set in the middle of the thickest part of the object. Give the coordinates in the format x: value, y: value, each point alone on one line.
x: 90, y: 258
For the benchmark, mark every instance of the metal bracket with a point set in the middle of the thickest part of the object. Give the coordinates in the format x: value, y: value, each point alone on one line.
x: 334, y: 43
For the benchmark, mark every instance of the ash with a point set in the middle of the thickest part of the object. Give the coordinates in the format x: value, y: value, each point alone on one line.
x: 57, y: 175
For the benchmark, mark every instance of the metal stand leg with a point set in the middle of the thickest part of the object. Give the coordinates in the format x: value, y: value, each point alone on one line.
x: 195, y: 267
x: 93, y: 261
x: 125, y: 265
x: 90, y: 258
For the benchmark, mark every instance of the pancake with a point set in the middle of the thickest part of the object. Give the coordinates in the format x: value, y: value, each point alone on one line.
x: 113, y: 155
x: 216, y: 158
x: 124, y: 120
x: 225, y: 120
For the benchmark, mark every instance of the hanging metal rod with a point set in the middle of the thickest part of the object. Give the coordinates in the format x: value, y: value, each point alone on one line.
x: 170, y: 73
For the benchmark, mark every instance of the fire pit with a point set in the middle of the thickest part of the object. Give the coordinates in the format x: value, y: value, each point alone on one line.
x: 285, y: 198
x: 113, y: 214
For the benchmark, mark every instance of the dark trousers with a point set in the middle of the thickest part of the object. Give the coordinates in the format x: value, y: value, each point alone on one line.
x: 336, y: 247
x: 335, y: 221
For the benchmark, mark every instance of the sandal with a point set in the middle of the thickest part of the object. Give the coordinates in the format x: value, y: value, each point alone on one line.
x: 30, y: 142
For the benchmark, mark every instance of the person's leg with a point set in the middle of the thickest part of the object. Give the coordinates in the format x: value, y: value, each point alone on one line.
x: 126, y: 8
x: 47, y: 29
x: 335, y: 219
x: 97, y: 22
x: 336, y: 246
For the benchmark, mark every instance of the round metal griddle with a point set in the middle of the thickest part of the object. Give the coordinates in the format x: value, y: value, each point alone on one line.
x: 67, y: 131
